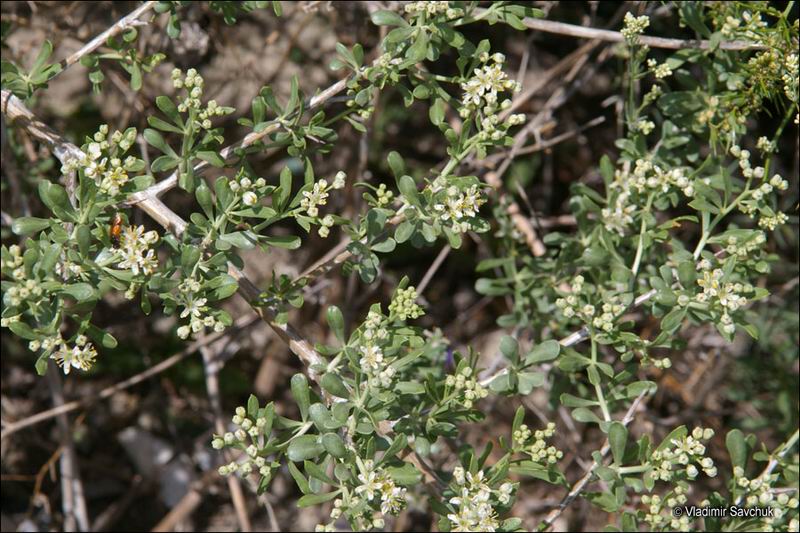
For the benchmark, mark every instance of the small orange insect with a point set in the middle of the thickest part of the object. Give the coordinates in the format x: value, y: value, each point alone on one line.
x: 115, y: 231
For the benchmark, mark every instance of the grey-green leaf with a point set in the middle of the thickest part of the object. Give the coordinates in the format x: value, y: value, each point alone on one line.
x: 617, y: 438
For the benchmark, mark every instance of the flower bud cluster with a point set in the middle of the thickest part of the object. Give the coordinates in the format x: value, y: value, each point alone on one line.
x: 634, y: 26
x: 248, y: 435
x: 466, y: 389
x: 656, y: 505
x: 578, y: 304
x: 433, y: 9
x: 404, y: 306
x: 535, y: 444
x: 628, y: 186
x: 759, y: 492
x: 25, y: 289
x: 687, y: 454
x: 193, y: 84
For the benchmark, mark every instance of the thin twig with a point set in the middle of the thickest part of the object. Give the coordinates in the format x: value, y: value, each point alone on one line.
x: 121, y: 25
x: 578, y: 487
x: 572, y: 30
x: 16, y: 111
x: 339, y: 254
x: 73, y: 502
x: 229, y: 152
x: 188, y: 503
x: 211, y: 369
x: 28, y: 421
x: 433, y: 268
x: 64, y: 150
x: 573, y: 338
x: 775, y: 458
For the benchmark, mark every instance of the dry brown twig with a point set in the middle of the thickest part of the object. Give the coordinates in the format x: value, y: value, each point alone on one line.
x: 73, y: 501
x: 128, y: 21
x: 550, y: 26
x: 211, y: 369
x: 108, y: 392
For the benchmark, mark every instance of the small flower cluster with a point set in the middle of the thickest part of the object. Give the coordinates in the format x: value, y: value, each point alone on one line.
x: 683, y: 453
x: 645, y: 178
x: 765, y: 145
x: 193, y: 83
x: 372, y: 361
x: 482, y: 90
x: 195, y: 309
x: 404, y: 306
x: 430, y: 10
x: 318, y: 195
x: 645, y: 126
x: 537, y: 447
x: 759, y: 492
x: 744, y: 247
x: 575, y: 306
x: 248, y: 189
x: 25, y: 289
x: 135, y: 252
x: 101, y: 160
x: 81, y: 355
x: 375, y: 367
x: 723, y: 296
x: 246, y: 436
x: 634, y: 26
x: 749, y: 26
x: 68, y: 269
x: 656, y: 505
x: 458, y: 207
x: 756, y: 201
x: 475, y: 502
x: 375, y: 496
x: 660, y: 71
x: 377, y: 482
x: 790, y: 77
x: 467, y: 390
x: 385, y: 62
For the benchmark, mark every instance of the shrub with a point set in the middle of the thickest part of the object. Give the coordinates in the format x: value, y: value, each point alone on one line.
x: 684, y: 235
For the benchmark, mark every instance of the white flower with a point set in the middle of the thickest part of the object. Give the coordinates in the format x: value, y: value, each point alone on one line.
x: 250, y: 198
x: 193, y: 307
x: 339, y: 180
x: 318, y: 195
x: 80, y: 357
